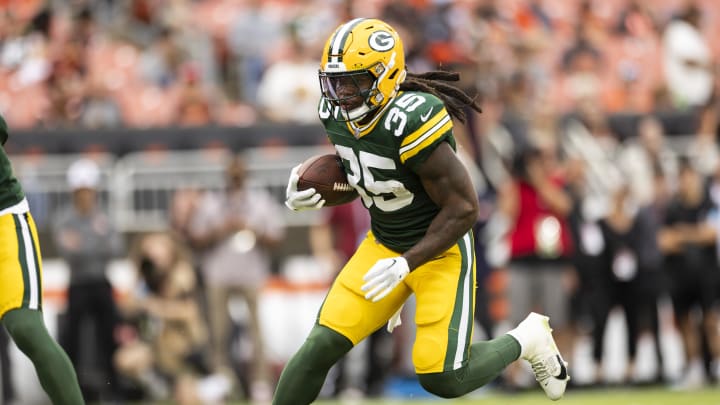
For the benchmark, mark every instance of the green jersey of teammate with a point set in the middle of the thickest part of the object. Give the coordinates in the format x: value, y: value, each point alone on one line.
x: 380, y: 159
x: 10, y: 191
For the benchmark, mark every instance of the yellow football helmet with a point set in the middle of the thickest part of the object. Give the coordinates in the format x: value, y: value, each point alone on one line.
x: 362, y: 51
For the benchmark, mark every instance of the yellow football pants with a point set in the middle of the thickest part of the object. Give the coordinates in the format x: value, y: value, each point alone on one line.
x: 445, y: 293
x: 20, y: 264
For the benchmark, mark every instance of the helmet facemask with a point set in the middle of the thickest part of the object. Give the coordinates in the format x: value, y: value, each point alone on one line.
x: 352, y: 92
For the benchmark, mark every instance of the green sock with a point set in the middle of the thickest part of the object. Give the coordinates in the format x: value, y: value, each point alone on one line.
x: 53, y: 367
x: 487, y: 360
x: 305, y: 373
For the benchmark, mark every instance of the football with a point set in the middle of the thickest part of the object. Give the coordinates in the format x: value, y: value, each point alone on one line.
x: 325, y: 173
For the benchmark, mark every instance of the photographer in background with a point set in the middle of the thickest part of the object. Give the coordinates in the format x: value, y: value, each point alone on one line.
x: 163, y: 349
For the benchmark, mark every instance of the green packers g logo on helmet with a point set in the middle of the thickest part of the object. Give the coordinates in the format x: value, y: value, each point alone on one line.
x: 381, y: 41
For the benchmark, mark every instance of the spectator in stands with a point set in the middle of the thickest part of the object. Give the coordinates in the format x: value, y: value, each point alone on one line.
x: 195, y: 104
x: 234, y: 232
x: 99, y: 109
x: 714, y: 219
x: 409, y: 20
x: 627, y: 34
x: 85, y: 27
x: 631, y: 261
x: 160, y: 63
x: 66, y: 86
x: 258, y: 20
x: 642, y: 155
x: 139, y: 20
x: 165, y: 338
x: 588, y: 300
x: 86, y: 239
x: 687, y: 59
x: 24, y: 49
x: 591, y: 21
x: 288, y: 91
x: 540, y: 244
x: 703, y: 147
x: 689, y: 241
x: 582, y: 65
x: 637, y: 19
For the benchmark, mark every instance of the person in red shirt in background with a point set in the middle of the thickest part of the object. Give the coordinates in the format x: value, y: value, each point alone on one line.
x: 539, y: 243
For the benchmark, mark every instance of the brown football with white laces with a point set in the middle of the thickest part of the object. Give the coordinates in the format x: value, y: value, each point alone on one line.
x: 326, y: 174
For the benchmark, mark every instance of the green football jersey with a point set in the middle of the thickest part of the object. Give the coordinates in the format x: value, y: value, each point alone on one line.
x: 380, y: 160
x: 10, y: 191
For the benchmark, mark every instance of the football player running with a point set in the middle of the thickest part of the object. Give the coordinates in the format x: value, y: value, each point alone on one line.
x: 393, y: 130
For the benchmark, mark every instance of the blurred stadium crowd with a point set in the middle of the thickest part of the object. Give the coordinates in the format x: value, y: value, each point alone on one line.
x: 144, y: 63
x: 601, y: 115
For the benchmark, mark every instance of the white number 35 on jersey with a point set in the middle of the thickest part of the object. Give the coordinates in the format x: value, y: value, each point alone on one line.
x: 360, y: 170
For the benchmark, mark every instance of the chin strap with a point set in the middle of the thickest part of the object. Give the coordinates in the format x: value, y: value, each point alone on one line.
x: 356, y: 114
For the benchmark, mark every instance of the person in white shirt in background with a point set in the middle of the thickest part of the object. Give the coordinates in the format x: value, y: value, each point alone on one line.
x: 288, y: 91
x: 687, y: 60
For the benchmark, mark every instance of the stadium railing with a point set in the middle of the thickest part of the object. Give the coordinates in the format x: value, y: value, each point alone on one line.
x: 137, y: 189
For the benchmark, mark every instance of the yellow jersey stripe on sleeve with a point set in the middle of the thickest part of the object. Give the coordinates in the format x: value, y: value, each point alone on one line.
x: 427, y: 139
x: 425, y: 127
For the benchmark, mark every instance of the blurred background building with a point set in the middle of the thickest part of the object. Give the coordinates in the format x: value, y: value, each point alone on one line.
x: 619, y: 98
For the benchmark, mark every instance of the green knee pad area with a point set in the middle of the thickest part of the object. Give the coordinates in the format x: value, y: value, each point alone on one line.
x: 325, y: 347
x: 27, y: 329
x: 448, y: 384
x: 486, y: 361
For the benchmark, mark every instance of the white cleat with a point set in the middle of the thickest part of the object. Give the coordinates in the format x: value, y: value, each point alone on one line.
x: 539, y: 349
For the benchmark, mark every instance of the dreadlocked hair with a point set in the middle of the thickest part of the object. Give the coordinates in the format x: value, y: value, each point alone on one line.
x: 433, y: 82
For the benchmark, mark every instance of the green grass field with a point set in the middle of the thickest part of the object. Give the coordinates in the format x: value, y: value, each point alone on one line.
x: 635, y: 396
x: 654, y: 396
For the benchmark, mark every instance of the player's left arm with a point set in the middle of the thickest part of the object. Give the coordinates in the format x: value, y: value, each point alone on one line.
x: 448, y: 184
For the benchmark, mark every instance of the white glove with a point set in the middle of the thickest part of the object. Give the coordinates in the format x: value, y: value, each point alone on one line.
x: 301, y: 200
x: 395, y: 320
x: 385, y: 275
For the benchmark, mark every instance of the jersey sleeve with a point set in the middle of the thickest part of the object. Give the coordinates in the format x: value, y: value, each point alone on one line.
x: 428, y: 126
x: 326, y: 111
